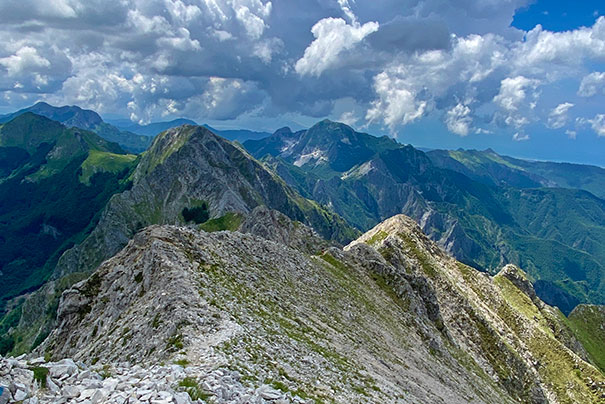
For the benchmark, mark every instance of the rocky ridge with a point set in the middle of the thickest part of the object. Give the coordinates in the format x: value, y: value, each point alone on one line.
x: 391, y: 318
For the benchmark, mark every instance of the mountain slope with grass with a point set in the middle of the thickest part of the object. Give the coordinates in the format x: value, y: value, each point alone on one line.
x: 54, y: 181
x: 86, y: 119
x: 491, y: 168
x: 389, y: 318
x: 556, y: 234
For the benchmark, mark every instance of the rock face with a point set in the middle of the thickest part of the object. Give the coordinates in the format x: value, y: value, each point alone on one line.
x: 391, y: 318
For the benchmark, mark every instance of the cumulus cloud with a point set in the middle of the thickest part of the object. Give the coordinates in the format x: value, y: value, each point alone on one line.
x: 513, y: 92
x: 458, y: 120
x: 598, y: 124
x: 512, y: 96
x: 401, y: 62
x: 25, y: 59
x: 332, y: 37
x: 592, y: 84
x: 398, y: 102
x: 558, y: 116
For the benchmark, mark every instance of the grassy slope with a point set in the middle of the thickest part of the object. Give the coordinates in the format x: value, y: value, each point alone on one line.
x: 43, y: 201
x: 588, y: 323
x: 490, y: 167
x: 557, y: 235
x: 98, y: 161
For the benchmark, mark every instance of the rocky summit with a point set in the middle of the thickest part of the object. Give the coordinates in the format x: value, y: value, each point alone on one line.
x: 259, y: 317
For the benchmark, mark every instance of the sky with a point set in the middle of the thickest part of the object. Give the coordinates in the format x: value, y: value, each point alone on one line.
x: 526, y: 78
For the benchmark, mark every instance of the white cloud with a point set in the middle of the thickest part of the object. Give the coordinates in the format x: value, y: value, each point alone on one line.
x: 558, y: 116
x: 461, y: 62
x: 513, y: 100
x: 254, y: 24
x: 572, y: 134
x: 332, y: 37
x: 347, y: 11
x: 458, y: 119
x: 513, y: 92
x: 397, y: 103
x: 592, y: 84
x: 557, y: 49
x: 520, y: 137
x: 25, y: 59
x: 598, y: 124
x: 348, y: 118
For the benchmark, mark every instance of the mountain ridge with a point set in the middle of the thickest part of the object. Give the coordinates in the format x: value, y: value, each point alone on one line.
x: 248, y: 288
x: 85, y: 119
x: 482, y: 224
x: 50, y: 194
x: 185, y: 168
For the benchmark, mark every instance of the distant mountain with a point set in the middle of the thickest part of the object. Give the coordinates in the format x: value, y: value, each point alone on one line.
x: 239, y: 135
x: 54, y: 181
x: 194, y: 272
x: 491, y: 168
x: 557, y: 235
x: 86, y: 119
x: 326, y: 149
x: 151, y: 129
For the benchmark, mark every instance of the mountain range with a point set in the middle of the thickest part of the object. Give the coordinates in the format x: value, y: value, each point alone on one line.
x: 486, y: 221
x: 154, y: 128
x: 214, y: 255
x: 86, y: 119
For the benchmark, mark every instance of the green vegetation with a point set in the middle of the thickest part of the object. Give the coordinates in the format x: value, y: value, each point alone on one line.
x: 99, y: 161
x: 491, y: 168
x: 556, y: 235
x: 230, y: 221
x: 43, y: 203
x: 378, y: 237
x: 193, y: 388
x: 175, y: 342
x: 588, y: 322
x: 40, y: 374
x: 423, y: 259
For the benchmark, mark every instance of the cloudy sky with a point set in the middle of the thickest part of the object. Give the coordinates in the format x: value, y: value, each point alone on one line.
x: 526, y: 78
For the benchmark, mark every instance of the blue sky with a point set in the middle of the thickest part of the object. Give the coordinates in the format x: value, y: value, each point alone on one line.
x: 558, y: 15
x: 524, y: 78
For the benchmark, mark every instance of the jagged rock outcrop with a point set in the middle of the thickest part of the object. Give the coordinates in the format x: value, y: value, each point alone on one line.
x: 391, y: 318
x: 523, y: 343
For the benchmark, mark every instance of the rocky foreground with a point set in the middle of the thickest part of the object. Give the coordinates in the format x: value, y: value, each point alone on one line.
x: 32, y: 381
x: 181, y: 315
